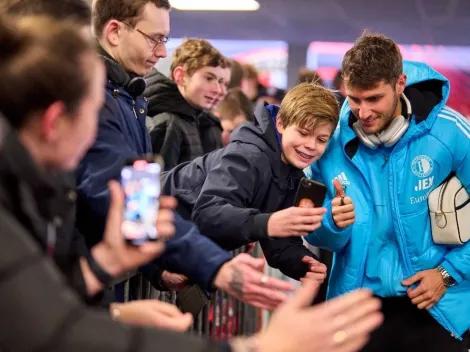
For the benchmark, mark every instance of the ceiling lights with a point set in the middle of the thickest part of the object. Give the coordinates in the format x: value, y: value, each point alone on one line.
x: 215, y: 5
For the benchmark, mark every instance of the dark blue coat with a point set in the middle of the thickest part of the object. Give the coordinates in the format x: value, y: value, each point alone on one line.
x: 122, y: 135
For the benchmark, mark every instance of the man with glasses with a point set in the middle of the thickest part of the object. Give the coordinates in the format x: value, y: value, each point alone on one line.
x: 131, y: 35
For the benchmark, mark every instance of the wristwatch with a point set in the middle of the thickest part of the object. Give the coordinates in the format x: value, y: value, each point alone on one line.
x: 449, y: 281
x: 104, y: 277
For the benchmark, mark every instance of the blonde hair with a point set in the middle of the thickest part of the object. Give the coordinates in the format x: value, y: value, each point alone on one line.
x: 308, y: 106
x: 194, y: 54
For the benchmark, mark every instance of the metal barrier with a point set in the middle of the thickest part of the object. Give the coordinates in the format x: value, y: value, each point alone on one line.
x: 223, y: 318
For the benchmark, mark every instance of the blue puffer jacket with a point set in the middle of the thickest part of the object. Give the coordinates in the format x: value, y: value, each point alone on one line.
x: 436, y: 144
x: 122, y: 135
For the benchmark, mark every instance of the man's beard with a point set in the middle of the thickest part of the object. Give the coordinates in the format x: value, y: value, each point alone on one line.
x: 389, y: 116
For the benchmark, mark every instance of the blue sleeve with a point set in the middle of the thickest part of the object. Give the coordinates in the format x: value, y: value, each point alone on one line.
x: 328, y: 236
x: 457, y: 261
x: 101, y: 164
x: 192, y: 254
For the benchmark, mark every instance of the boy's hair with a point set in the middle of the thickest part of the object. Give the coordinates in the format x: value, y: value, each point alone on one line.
x: 194, y: 54
x: 309, y: 76
x: 128, y: 11
x: 237, y: 75
x: 373, y: 58
x: 337, y: 80
x: 75, y: 10
x: 41, y: 62
x: 234, y: 104
x: 308, y: 106
x: 250, y: 72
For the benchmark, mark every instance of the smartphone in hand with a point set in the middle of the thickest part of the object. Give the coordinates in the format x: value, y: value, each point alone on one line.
x: 310, y: 194
x: 140, y: 180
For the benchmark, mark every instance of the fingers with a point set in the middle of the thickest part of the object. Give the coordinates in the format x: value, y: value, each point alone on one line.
x: 116, y: 205
x: 418, y: 291
x: 337, y: 201
x: 272, y: 283
x: 180, y: 323
x: 340, y: 209
x: 168, y: 202
x: 411, y: 280
x: 339, y: 305
x: 165, y: 308
x: 165, y: 224
x: 354, y: 344
x: 313, y: 276
x: 306, y: 212
x: 339, y: 191
x: 304, y: 295
x: 254, y: 263
x: 426, y: 303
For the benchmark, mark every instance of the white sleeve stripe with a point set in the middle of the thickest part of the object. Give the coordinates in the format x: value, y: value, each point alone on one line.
x: 452, y: 113
x: 458, y: 124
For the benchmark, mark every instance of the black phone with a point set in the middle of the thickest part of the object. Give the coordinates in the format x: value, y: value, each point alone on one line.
x: 310, y: 194
x: 140, y: 180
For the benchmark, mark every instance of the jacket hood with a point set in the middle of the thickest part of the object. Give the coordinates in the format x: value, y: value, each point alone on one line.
x: 427, y: 91
x: 263, y: 134
x: 163, y: 96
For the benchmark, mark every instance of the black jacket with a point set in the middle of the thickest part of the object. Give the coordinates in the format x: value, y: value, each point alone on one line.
x: 231, y: 193
x: 40, y: 312
x: 178, y: 131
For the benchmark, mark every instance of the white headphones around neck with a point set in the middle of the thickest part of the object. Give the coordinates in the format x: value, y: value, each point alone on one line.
x: 391, y: 134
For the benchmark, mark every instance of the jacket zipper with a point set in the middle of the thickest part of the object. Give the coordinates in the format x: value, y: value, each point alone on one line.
x: 52, y: 235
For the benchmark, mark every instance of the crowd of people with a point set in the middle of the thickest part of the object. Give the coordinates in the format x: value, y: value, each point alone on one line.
x: 80, y: 97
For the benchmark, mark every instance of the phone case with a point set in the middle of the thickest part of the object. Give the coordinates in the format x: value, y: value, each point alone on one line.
x: 310, y: 193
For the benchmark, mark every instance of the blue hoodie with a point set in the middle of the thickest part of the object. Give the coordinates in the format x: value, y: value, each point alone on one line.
x: 439, y: 139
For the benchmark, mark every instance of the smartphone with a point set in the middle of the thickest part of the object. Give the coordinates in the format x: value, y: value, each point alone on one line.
x: 140, y: 180
x: 310, y: 194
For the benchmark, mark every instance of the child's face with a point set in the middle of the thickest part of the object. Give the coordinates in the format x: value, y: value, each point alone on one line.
x: 206, y: 87
x: 300, y: 147
x: 229, y: 125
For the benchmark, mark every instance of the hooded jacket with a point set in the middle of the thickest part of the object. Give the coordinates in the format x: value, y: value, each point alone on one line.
x: 231, y: 193
x: 178, y: 131
x: 436, y: 144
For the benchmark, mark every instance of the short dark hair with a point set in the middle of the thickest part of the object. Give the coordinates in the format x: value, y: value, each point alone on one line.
x: 237, y: 75
x: 75, y: 10
x: 337, y: 80
x: 41, y: 62
x: 122, y: 10
x: 373, y: 58
x: 235, y: 103
x: 309, y: 76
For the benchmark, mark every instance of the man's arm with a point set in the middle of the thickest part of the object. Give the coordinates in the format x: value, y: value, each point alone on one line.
x: 457, y: 260
x: 223, y: 209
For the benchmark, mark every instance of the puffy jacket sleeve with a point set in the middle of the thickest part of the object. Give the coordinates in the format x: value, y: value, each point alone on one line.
x: 44, y: 314
x: 222, y: 211
x: 187, y: 251
x: 457, y: 260
x: 328, y: 236
x: 166, y: 138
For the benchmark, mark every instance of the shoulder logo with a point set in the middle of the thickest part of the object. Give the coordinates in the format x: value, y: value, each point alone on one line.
x: 422, y: 166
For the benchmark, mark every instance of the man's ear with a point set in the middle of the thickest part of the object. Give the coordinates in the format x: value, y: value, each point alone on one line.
x: 178, y: 75
x: 401, y: 83
x: 51, y: 121
x: 112, y: 32
x: 279, y: 125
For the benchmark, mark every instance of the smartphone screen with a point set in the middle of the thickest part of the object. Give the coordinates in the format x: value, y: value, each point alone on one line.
x: 140, y: 181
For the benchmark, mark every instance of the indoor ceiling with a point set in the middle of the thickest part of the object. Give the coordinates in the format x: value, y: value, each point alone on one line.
x: 445, y: 22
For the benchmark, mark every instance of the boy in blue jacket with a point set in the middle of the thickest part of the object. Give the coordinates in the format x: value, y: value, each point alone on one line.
x: 397, y: 142
x: 244, y: 192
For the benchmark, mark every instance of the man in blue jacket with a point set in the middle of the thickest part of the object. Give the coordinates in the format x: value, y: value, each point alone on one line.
x: 131, y: 37
x: 397, y: 141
